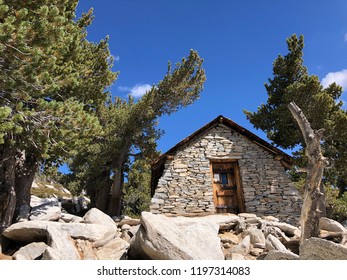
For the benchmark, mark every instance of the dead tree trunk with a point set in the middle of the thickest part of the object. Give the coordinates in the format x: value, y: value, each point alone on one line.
x: 314, y: 199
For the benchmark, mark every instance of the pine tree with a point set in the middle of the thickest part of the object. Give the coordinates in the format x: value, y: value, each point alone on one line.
x: 51, y: 82
x: 291, y: 82
x: 130, y: 131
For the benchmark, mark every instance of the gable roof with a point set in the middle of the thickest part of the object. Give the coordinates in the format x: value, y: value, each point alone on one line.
x: 158, y: 164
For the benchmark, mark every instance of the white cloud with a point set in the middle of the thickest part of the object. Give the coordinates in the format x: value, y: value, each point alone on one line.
x: 122, y: 88
x: 339, y: 77
x: 345, y: 37
x: 136, y: 91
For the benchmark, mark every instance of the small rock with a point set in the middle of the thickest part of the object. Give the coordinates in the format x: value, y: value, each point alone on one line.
x: 243, y: 247
x: 229, y: 237
x: 281, y: 255
x: 95, y: 216
x: 129, y: 221
x: 69, y: 218
x: 234, y: 257
x: 256, y: 235
x: 114, y: 250
x: 256, y: 251
x: 48, y: 210
x: 272, y: 243
x: 286, y: 228
x: 247, y: 215
x: 270, y: 219
x: 31, y: 251
x: 331, y: 225
x: 126, y: 227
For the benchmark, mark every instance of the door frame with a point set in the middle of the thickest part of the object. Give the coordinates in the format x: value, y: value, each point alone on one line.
x: 238, y: 180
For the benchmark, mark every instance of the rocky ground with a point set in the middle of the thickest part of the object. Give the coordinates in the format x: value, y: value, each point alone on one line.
x: 50, y: 234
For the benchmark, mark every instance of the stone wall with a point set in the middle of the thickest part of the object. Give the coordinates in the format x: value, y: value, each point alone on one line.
x: 186, y: 184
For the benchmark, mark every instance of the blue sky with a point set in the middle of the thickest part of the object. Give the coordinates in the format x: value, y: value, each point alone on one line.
x: 239, y: 40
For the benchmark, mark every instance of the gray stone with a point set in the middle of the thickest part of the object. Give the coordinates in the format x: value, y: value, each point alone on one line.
x: 61, y: 242
x: 69, y: 218
x: 51, y: 254
x: 48, y: 210
x: 31, y: 251
x: 272, y: 243
x: 256, y: 236
x: 281, y: 255
x: 125, y: 227
x: 247, y: 215
x: 229, y: 237
x: 116, y: 249
x: 224, y: 221
x: 95, y: 216
x: 84, y: 202
x: 320, y: 249
x: 32, y: 231
x: 27, y: 232
x: 234, y: 257
x: 24, y: 213
x: 275, y: 231
x: 286, y: 228
x: 243, y: 247
x: 180, y: 238
x: 331, y: 225
x: 86, y: 249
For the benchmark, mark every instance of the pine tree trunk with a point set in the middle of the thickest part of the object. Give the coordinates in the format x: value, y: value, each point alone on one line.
x: 313, y: 207
x: 17, y: 174
x: 26, y: 169
x: 101, y: 195
x: 7, y: 187
x: 115, y: 203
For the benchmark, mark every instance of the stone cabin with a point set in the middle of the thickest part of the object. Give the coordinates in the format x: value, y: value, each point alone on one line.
x: 224, y: 168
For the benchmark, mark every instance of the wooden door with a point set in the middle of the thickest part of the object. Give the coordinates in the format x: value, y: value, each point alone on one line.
x: 227, y: 192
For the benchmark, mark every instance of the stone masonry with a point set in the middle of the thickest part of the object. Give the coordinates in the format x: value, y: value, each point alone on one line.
x: 186, y: 183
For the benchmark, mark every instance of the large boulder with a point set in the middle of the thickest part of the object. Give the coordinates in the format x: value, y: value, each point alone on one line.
x: 26, y: 232
x: 320, y: 249
x: 176, y: 238
x: 32, y: 231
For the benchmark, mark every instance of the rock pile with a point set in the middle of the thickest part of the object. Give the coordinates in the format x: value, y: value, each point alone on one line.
x: 93, y: 237
x: 241, y: 237
x: 54, y: 235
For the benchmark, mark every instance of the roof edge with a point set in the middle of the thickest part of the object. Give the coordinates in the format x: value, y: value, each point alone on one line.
x: 231, y: 124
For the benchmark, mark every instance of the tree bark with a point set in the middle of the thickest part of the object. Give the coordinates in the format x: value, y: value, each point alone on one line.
x: 7, y: 187
x: 26, y: 168
x: 115, y: 204
x: 17, y: 172
x: 313, y: 207
x: 100, y: 195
